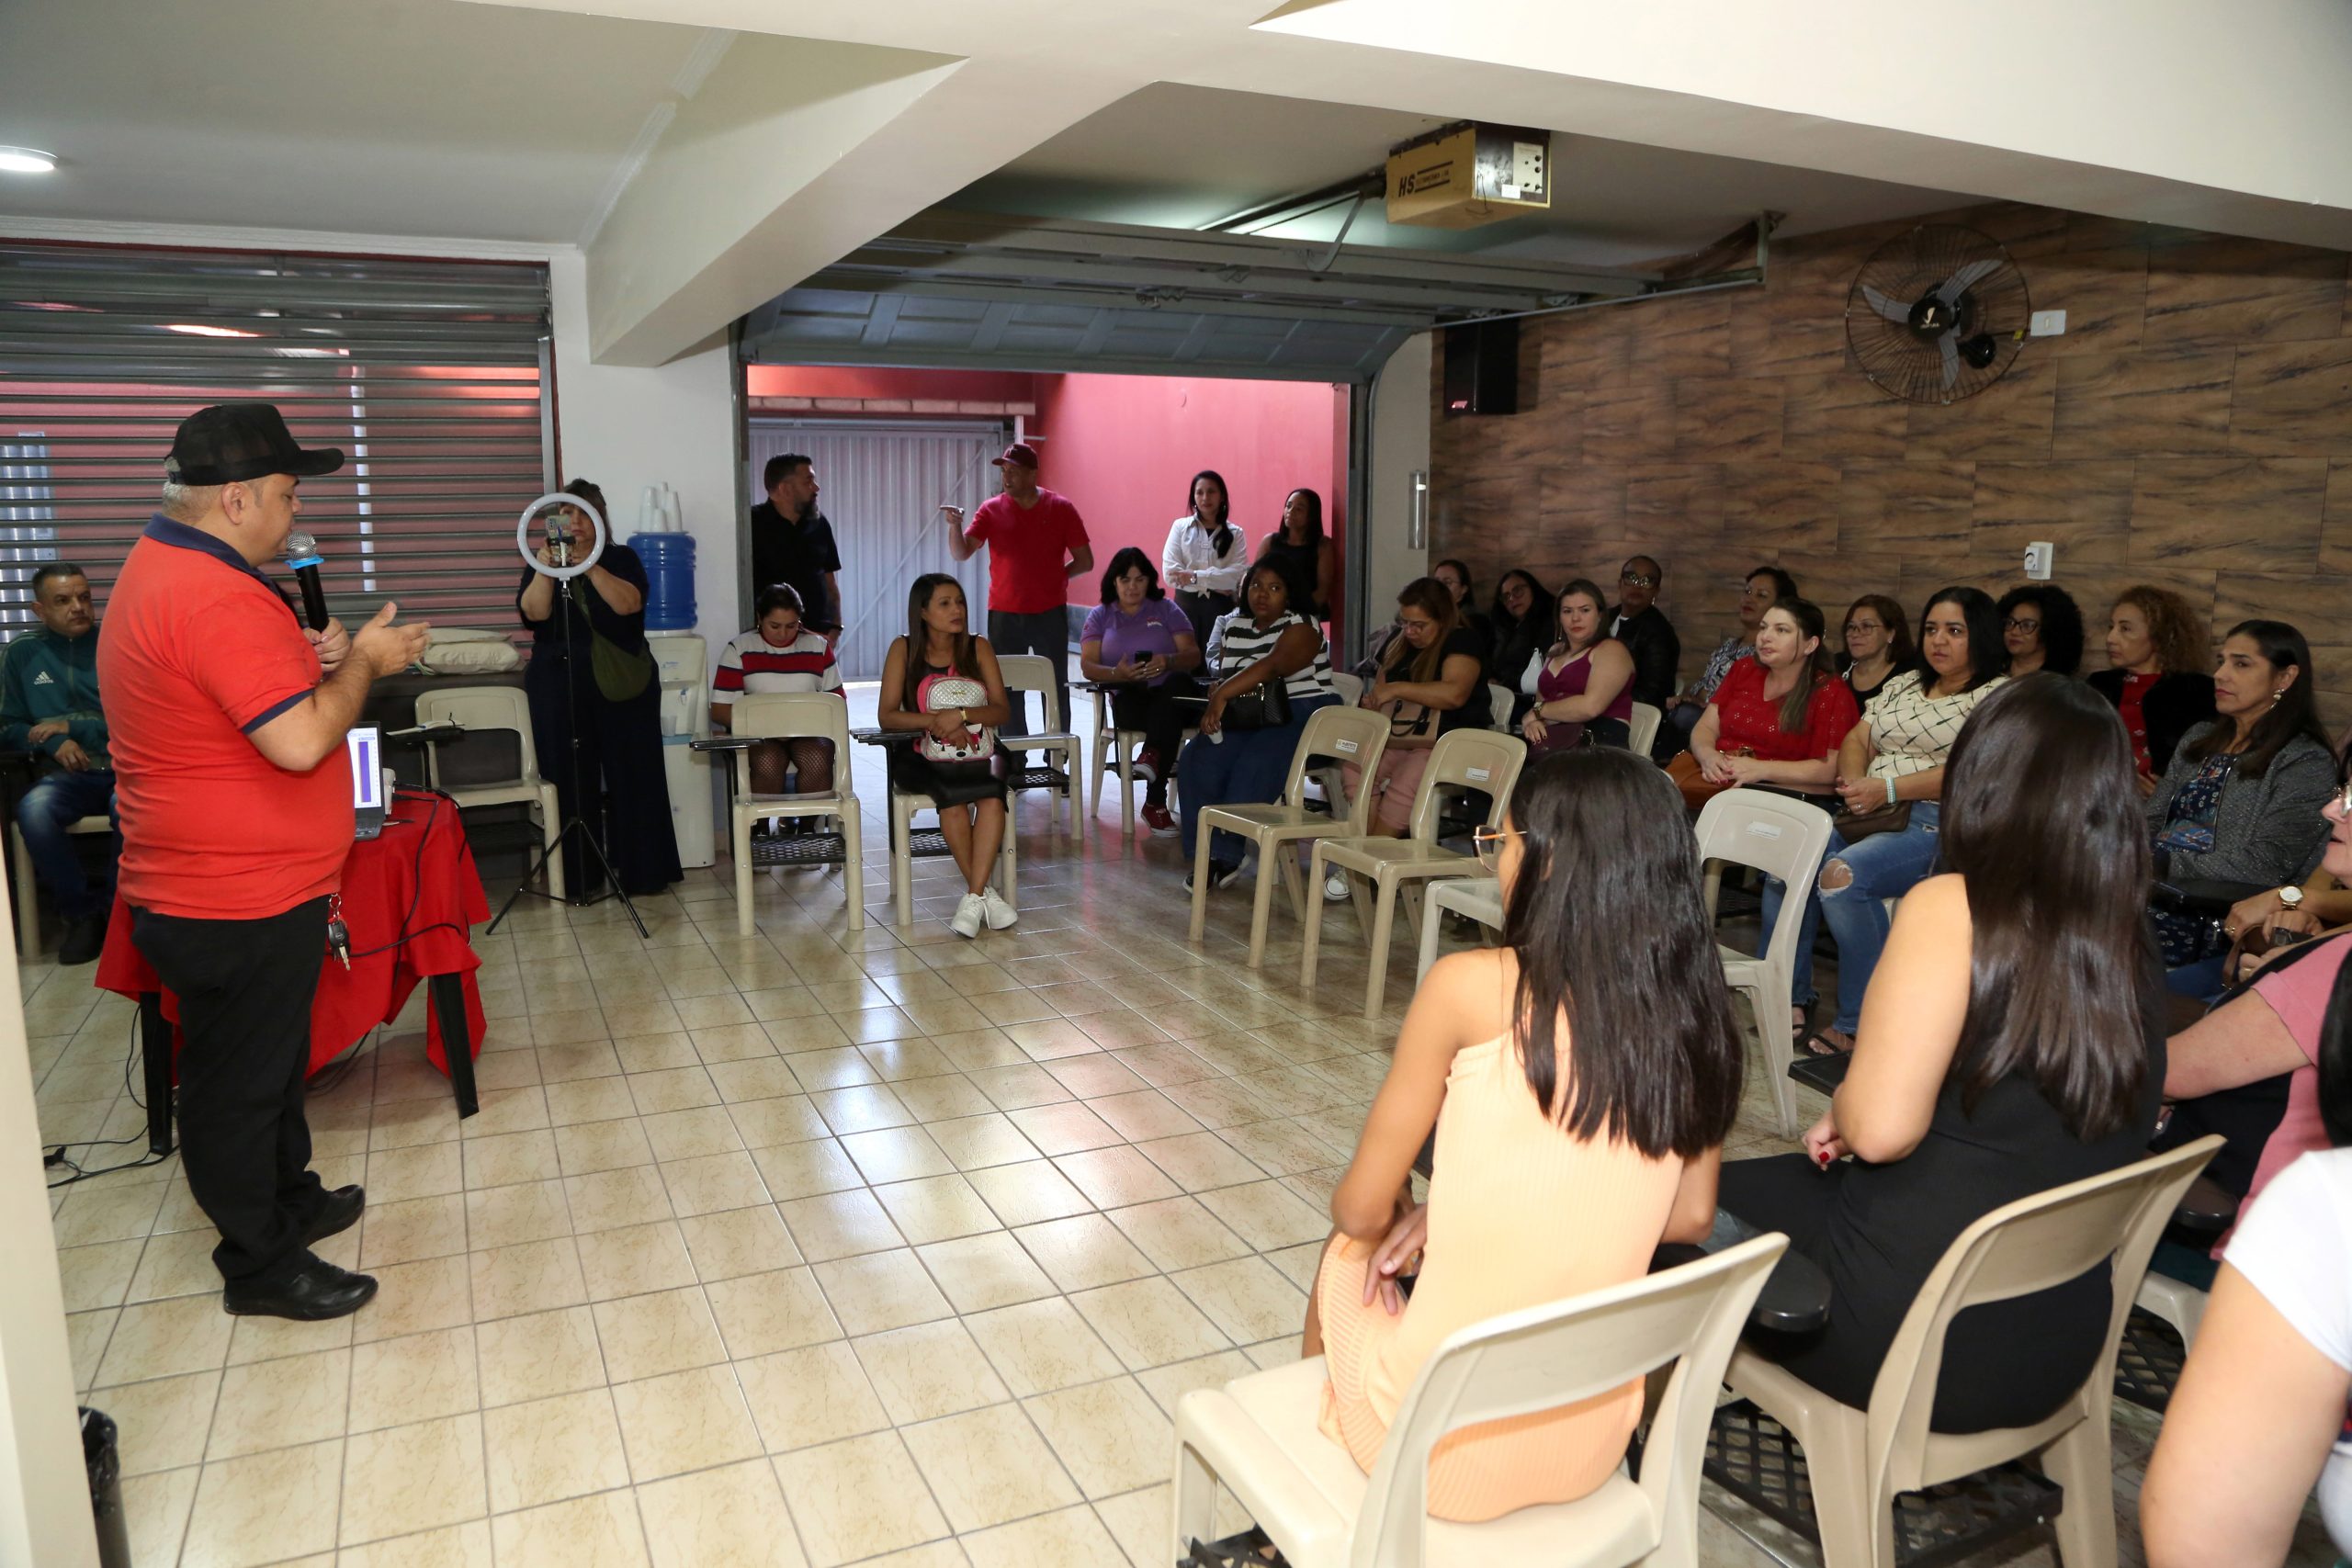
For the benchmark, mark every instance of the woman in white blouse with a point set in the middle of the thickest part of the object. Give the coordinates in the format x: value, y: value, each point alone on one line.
x: 1206, y: 557
x: 1892, y: 761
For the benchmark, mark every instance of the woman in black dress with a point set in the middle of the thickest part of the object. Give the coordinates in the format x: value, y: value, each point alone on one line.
x: 620, y: 787
x: 1299, y: 543
x: 941, y: 682
x: 2012, y: 1041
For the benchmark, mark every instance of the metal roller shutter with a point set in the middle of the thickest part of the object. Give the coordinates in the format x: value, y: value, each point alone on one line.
x: 431, y: 376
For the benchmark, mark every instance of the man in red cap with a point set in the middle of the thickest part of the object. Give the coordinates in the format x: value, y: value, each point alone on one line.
x: 227, y: 720
x: 1036, y: 544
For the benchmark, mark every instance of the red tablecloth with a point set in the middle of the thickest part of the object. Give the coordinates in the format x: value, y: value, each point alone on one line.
x: 418, y: 876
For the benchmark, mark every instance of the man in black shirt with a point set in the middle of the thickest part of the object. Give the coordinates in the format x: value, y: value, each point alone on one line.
x: 792, y: 542
x: 1647, y: 635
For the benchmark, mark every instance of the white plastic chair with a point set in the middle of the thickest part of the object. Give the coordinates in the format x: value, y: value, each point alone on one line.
x: 1349, y: 687
x: 1859, y: 1460
x: 781, y: 716
x: 1258, y: 1433
x: 1357, y: 735
x: 1035, y: 672
x: 497, y: 707
x: 903, y: 807
x: 1781, y: 838
x: 1642, y: 728
x: 27, y: 884
x: 1111, y: 748
x: 1476, y: 759
x: 1499, y: 699
x: 1480, y: 900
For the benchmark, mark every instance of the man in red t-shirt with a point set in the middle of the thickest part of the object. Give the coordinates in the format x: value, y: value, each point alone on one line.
x: 226, y: 720
x: 1036, y: 544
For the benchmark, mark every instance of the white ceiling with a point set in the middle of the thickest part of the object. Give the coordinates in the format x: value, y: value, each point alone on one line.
x: 371, y: 116
x: 1185, y: 156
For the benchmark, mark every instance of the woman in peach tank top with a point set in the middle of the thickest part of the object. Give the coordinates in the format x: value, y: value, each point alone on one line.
x: 1580, y: 1089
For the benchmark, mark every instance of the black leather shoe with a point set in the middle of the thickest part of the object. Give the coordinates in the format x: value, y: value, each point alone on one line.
x: 84, y: 939
x: 316, y: 1290
x: 339, y: 1211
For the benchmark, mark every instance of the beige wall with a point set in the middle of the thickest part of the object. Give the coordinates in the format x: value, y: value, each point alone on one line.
x: 2193, y: 428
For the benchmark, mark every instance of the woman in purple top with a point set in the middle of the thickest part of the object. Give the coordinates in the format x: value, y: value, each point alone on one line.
x: 1141, y: 646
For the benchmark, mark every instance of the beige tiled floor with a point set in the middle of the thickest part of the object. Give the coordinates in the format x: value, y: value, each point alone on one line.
x: 811, y: 1247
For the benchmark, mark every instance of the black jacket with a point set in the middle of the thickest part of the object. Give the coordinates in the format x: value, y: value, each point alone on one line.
x: 2174, y: 706
x: 1658, y: 654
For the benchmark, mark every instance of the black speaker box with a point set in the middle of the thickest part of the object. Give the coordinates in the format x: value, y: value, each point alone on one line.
x: 1481, y: 367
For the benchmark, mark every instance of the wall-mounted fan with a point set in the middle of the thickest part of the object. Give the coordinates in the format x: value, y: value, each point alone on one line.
x: 1937, y: 314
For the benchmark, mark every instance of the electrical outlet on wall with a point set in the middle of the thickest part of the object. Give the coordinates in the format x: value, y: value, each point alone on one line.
x: 2048, y: 323
x: 2040, y: 558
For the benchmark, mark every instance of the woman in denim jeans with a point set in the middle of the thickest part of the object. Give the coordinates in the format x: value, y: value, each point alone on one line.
x: 1895, y: 755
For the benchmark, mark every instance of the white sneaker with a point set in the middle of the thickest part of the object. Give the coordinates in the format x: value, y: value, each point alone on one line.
x: 1335, y: 887
x: 1000, y: 914
x: 969, y: 916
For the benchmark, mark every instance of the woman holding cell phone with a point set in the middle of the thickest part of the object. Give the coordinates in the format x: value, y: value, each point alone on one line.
x: 1140, y: 646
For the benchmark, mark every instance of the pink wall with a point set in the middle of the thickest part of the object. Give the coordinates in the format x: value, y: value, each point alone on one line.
x: 1123, y: 448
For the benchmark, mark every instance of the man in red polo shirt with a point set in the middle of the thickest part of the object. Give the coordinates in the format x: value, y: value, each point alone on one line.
x: 1036, y: 543
x: 227, y: 722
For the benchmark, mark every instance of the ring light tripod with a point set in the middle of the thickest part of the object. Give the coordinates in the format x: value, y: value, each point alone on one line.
x: 564, y: 569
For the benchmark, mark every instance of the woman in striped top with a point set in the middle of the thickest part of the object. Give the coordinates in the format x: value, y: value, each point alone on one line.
x: 778, y: 655
x: 1267, y: 641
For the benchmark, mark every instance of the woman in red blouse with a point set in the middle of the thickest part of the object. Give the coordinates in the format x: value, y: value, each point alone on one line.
x: 2158, y: 654
x: 1777, y: 719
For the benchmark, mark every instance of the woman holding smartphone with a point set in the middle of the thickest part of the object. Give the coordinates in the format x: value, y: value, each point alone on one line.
x: 1141, y: 646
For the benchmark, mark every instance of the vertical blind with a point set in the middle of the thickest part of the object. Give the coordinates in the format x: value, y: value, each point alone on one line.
x: 429, y: 375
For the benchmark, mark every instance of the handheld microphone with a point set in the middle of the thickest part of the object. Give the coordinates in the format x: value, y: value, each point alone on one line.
x: 302, y: 555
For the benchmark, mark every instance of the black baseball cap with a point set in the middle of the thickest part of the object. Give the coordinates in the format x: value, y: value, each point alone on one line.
x: 230, y: 442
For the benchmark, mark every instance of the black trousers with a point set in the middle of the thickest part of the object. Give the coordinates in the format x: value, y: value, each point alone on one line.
x: 1046, y: 633
x: 244, y: 989
x: 1156, y: 712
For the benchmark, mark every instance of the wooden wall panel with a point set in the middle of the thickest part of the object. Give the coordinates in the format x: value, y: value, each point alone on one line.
x: 2193, y: 428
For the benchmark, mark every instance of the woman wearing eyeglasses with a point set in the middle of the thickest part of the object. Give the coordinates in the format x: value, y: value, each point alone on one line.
x: 1877, y: 636
x: 1573, y: 1134
x: 2042, y: 628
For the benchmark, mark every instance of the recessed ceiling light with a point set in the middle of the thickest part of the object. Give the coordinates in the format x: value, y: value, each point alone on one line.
x: 195, y: 330
x: 26, y: 160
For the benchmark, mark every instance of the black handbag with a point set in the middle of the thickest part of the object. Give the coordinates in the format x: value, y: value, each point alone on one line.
x: 1263, y: 707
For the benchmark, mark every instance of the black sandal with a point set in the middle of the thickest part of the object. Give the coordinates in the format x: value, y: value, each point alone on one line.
x: 1822, y: 1046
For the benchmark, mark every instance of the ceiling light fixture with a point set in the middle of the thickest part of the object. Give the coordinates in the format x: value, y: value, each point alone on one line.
x: 26, y: 160
x: 195, y: 329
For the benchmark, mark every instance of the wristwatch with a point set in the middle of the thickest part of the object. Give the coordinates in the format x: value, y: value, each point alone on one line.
x: 2291, y: 897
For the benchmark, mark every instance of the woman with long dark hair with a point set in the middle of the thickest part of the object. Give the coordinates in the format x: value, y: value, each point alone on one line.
x: 2042, y: 628
x: 779, y: 654
x: 1525, y: 621
x: 2241, y: 801
x: 943, y: 681
x: 1583, y: 684
x: 1580, y: 1088
x: 2012, y: 1042
x: 1430, y: 682
x: 1889, y: 780
x: 2157, y: 655
x: 1206, y: 555
x: 1141, y: 649
x: 620, y: 786
x: 1300, y: 543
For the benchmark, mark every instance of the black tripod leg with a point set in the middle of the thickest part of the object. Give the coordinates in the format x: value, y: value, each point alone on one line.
x: 613, y: 879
